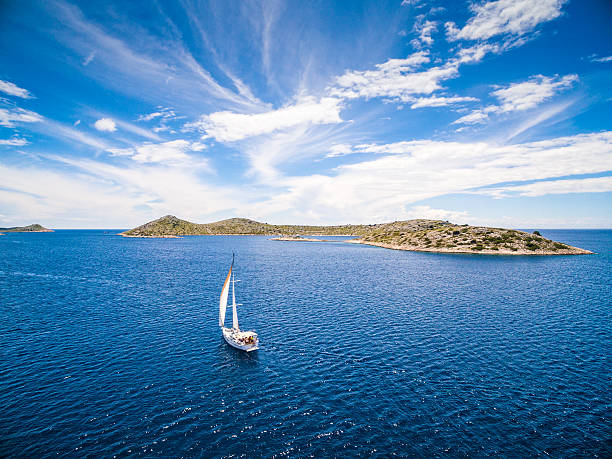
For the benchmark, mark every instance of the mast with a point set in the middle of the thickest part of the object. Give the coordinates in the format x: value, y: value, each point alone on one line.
x: 234, y: 311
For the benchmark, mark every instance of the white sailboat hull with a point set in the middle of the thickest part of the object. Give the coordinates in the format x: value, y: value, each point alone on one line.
x: 238, y: 339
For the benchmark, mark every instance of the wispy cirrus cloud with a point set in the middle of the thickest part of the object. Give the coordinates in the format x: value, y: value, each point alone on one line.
x: 515, y: 17
x: 14, y: 142
x: 13, y: 90
x: 161, y: 65
x: 10, y: 116
x: 72, y: 134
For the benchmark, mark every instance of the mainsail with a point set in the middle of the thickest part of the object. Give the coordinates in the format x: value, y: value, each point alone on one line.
x: 234, y: 313
x: 223, y: 299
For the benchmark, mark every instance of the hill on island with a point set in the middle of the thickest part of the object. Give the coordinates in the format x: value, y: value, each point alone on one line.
x: 35, y: 228
x: 416, y: 235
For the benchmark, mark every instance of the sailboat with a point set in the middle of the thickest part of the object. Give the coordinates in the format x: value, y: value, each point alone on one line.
x: 243, y: 340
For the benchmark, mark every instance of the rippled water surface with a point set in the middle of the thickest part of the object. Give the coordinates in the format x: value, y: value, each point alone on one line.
x: 110, y: 346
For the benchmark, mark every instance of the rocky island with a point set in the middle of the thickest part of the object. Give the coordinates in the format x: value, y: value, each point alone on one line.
x: 414, y: 235
x: 35, y: 228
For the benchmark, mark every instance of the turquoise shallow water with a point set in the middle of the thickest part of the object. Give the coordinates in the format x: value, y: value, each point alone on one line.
x: 110, y: 346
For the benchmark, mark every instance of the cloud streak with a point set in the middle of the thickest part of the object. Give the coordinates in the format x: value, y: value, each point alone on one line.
x: 9, y: 117
x: 568, y: 186
x: 13, y: 90
x: 14, y: 142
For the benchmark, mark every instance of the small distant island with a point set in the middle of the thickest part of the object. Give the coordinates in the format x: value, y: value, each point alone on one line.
x: 35, y: 228
x: 414, y: 235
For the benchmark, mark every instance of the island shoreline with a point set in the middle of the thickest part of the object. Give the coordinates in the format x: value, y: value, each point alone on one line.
x: 573, y: 251
x: 417, y: 235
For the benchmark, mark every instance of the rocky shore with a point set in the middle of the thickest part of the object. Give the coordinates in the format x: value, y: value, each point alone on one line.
x: 570, y: 251
x: 449, y: 238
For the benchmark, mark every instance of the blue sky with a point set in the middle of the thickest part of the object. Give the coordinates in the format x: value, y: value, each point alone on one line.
x: 495, y: 113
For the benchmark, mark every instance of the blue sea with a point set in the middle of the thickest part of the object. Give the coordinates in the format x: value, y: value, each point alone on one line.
x: 110, y: 347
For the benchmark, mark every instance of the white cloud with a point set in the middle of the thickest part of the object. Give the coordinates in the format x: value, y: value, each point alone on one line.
x: 106, y: 125
x: 150, y: 116
x: 424, y: 29
x: 476, y: 117
x: 8, y: 117
x: 411, y: 2
x: 476, y: 52
x: 585, y: 185
x: 229, y: 126
x: 526, y: 95
x: 167, y: 152
x: 396, y: 78
x: 162, y: 113
x: 520, y: 96
x: 401, y: 80
x: 383, y: 188
x: 92, y: 194
x: 15, y: 142
x: 515, y: 17
x: 13, y: 90
x: 408, y: 172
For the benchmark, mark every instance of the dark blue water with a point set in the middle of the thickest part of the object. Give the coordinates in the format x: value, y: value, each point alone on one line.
x: 110, y: 346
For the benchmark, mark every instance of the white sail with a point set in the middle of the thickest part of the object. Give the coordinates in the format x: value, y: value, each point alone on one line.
x: 234, y: 312
x: 223, y: 299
